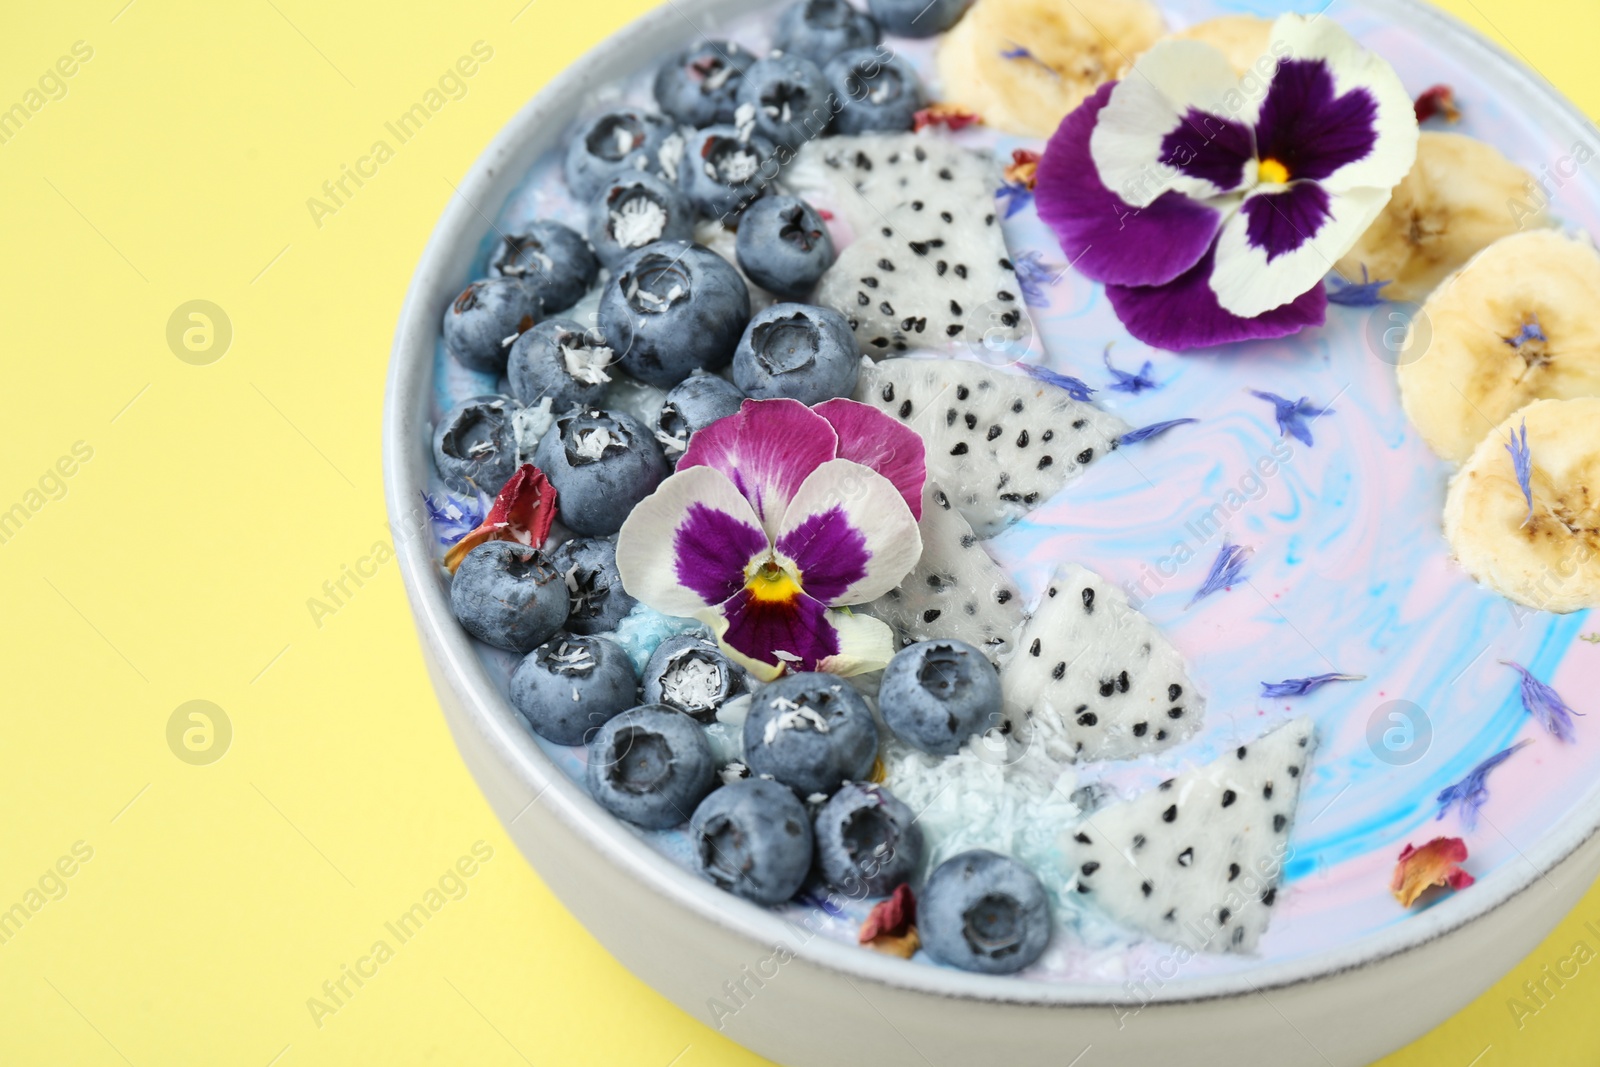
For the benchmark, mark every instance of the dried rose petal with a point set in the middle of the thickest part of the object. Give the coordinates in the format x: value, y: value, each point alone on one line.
x: 1436, y: 863
x: 1437, y: 101
x: 951, y: 116
x: 1023, y: 169
x: 522, y: 513
x: 892, y: 924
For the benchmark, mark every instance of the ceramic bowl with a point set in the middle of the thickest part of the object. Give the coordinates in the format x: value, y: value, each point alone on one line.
x: 805, y: 1000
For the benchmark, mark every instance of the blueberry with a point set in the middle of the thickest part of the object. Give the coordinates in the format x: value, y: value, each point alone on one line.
x: 601, y: 463
x: 982, y: 911
x: 783, y: 246
x: 700, y: 85
x: 475, y: 447
x: 690, y: 673
x: 936, y: 694
x: 876, y: 91
x: 650, y: 766
x: 599, y: 603
x: 634, y: 210
x: 802, y: 352
x: 917, y: 18
x: 553, y: 261
x: 753, y: 839
x: 481, y: 324
x: 672, y: 308
x: 811, y: 732
x: 691, y: 406
x: 620, y: 141
x: 726, y: 172
x: 570, y: 686
x: 868, y: 842
x: 508, y: 595
x: 562, y: 360
x: 821, y: 29
x: 788, y: 97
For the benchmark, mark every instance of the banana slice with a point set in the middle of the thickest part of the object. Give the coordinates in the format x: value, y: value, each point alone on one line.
x: 1453, y: 204
x: 1024, y: 64
x: 1552, y: 561
x: 1242, y: 38
x: 1519, y: 322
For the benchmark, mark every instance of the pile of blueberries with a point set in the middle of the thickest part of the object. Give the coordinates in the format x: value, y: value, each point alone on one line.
x: 672, y: 313
x: 801, y: 804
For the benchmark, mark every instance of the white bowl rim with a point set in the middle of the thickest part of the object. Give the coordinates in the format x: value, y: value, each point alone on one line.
x: 406, y: 459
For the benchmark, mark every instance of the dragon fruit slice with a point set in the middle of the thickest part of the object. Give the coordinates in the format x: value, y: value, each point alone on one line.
x: 1000, y: 443
x: 861, y: 178
x: 956, y: 590
x: 1094, y: 679
x: 1199, y: 859
x: 927, y: 265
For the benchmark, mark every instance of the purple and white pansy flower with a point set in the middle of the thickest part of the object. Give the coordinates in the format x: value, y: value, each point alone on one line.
x: 778, y: 518
x: 1213, y: 207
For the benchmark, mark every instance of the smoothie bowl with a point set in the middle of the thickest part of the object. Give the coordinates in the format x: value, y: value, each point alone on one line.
x: 951, y: 534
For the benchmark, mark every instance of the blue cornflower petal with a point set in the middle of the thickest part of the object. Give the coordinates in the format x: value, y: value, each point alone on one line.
x: 1226, y: 569
x: 454, y: 517
x: 1531, y: 331
x: 1545, y: 705
x: 1123, y: 382
x: 1077, y: 388
x: 1156, y: 429
x: 1015, y: 196
x: 1299, y: 687
x: 1033, y: 275
x: 1362, y: 294
x: 1522, y: 463
x: 1292, y: 415
x: 1470, y: 794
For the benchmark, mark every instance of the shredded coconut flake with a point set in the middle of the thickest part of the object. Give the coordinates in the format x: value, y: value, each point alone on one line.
x: 692, y: 682
x: 588, y: 365
x: 739, y: 167
x: 592, y: 444
x: 639, y: 222
x: 793, y: 716
x: 744, y: 117
x: 528, y: 425
x: 670, y: 155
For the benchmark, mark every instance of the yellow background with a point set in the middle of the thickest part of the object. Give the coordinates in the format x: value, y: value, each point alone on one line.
x: 177, y: 562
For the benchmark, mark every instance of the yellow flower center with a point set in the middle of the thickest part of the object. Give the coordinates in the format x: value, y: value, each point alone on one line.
x: 768, y: 582
x: 1271, y: 172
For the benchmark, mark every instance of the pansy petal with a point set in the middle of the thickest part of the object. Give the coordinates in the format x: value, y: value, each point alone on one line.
x: 1282, y: 243
x: 1184, y: 314
x: 1105, y: 238
x: 848, y: 534
x: 874, y: 439
x: 767, y: 448
x: 685, y: 547
x: 1166, y: 127
x: 1335, y: 112
x: 769, y: 635
x: 865, y: 644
